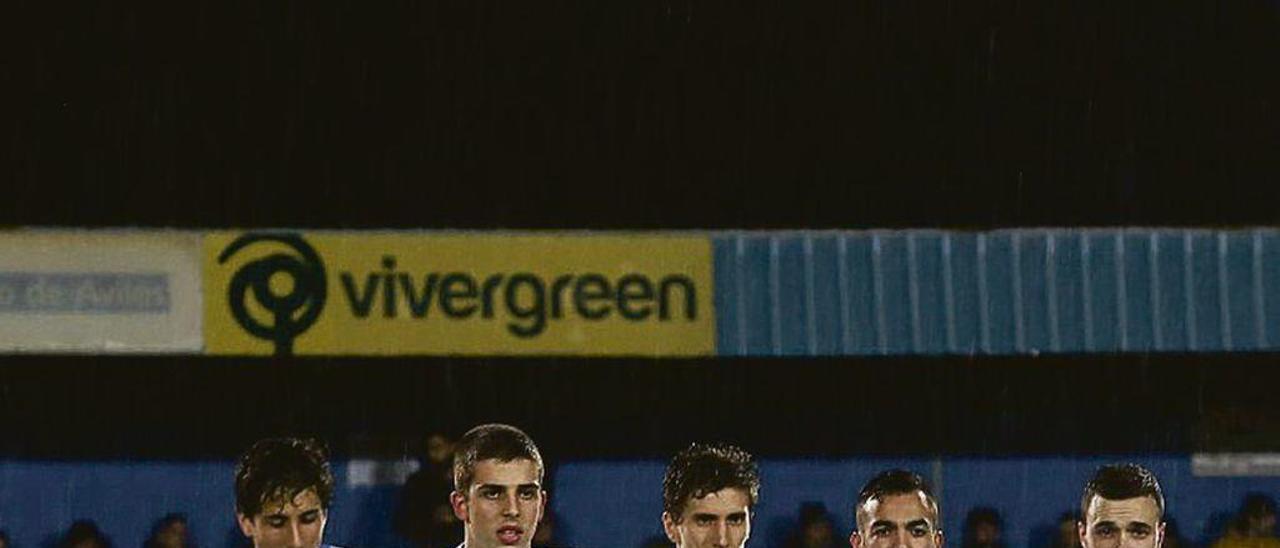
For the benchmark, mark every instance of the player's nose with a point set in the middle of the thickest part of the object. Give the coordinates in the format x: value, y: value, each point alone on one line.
x: 511, y: 506
x: 903, y: 539
x: 295, y: 536
x: 722, y: 535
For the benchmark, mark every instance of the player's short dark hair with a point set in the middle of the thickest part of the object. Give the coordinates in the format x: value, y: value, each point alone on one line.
x: 983, y: 515
x: 894, y: 482
x: 279, y: 469
x: 161, y: 524
x: 501, y: 442
x: 702, y: 469
x: 1257, y: 504
x: 1119, y: 482
x: 84, y: 530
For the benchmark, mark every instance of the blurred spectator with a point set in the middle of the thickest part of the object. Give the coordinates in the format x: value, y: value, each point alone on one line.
x: 424, y: 516
x: 84, y: 534
x: 4, y: 539
x: 545, y: 536
x: 1172, y: 535
x: 169, y: 532
x: 1254, y: 526
x: 816, y: 528
x: 982, y: 528
x: 659, y: 541
x: 1068, y: 534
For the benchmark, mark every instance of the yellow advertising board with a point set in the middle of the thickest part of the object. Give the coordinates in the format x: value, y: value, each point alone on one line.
x: 447, y: 293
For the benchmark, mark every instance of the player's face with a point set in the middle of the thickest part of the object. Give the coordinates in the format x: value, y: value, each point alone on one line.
x: 298, y: 523
x: 721, y: 520
x: 502, y: 506
x: 897, y: 521
x: 1125, y: 523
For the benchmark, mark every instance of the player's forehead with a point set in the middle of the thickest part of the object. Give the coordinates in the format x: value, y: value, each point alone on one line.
x: 512, y: 473
x: 1141, y: 509
x: 283, y: 505
x: 730, y: 500
x: 899, y: 508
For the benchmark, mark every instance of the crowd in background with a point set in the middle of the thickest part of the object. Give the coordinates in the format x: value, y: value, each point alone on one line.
x: 170, y: 531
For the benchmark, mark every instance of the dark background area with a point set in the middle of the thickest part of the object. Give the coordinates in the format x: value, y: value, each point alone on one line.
x: 641, y: 115
x: 92, y: 407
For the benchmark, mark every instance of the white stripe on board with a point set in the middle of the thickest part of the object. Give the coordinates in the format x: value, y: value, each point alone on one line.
x: 1019, y: 332
x: 984, y: 324
x: 740, y: 266
x: 877, y: 275
x: 1122, y: 292
x: 811, y: 314
x: 1224, y: 294
x: 1051, y: 289
x: 775, y: 297
x: 1157, y: 322
x: 1259, y: 296
x: 1189, y: 289
x: 948, y: 289
x: 913, y: 293
x: 846, y: 314
x: 1086, y: 289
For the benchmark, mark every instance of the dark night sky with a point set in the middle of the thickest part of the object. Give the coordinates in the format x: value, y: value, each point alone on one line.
x: 639, y: 114
x: 643, y: 114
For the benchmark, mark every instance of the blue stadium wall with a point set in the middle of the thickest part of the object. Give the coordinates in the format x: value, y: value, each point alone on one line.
x: 1009, y: 292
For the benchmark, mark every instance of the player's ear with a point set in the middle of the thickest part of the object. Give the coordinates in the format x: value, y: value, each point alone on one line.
x: 855, y: 540
x: 459, y: 503
x: 669, y: 527
x: 938, y: 539
x: 1160, y: 535
x: 246, y: 524
x: 1080, y: 530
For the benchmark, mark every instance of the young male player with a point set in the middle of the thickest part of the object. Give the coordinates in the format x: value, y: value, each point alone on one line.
x: 707, y: 496
x: 283, y: 492
x: 1122, y: 507
x: 896, y: 509
x: 497, y: 479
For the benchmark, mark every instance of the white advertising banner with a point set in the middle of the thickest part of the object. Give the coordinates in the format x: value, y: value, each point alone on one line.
x: 1235, y: 464
x: 80, y: 291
